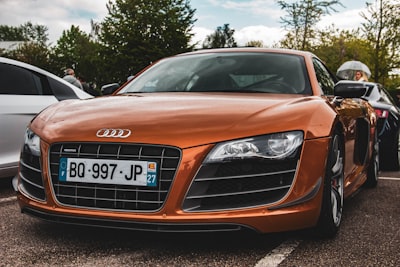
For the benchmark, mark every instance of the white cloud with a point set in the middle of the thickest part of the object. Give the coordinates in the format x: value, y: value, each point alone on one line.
x: 256, y: 7
x: 200, y: 35
x: 346, y: 20
x: 57, y: 15
x: 267, y: 35
x: 250, y: 24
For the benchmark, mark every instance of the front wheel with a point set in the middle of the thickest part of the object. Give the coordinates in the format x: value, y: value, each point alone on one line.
x: 332, y: 199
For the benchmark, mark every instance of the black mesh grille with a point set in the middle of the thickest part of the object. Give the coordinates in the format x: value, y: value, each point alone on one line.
x: 30, y: 173
x: 114, y: 197
x: 238, y: 184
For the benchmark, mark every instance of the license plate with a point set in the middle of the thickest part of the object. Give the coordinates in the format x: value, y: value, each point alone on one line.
x: 105, y: 171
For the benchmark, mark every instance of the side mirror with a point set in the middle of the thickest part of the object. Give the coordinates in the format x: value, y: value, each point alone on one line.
x: 350, y: 89
x: 108, y: 89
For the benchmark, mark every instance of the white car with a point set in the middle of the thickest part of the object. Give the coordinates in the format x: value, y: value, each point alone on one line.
x: 25, y: 90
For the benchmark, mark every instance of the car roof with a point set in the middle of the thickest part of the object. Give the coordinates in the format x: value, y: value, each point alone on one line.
x: 251, y: 49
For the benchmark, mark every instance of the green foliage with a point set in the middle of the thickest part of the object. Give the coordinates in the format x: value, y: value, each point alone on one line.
x: 33, y: 53
x: 33, y: 49
x: 75, y: 50
x: 382, y: 31
x: 138, y: 32
x: 10, y: 33
x: 36, y: 33
x: 222, y: 37
x: 25, y: 32
x: 255, y: 43
x: 300, y: 20
x: 375, y: 44
x: 336, y: 46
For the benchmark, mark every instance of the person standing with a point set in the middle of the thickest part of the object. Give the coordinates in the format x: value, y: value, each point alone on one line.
x: 88, y: 88
x: 361, y: 76
x: 69, y: 76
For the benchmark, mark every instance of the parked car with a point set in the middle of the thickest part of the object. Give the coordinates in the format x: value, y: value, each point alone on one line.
x: 388, y: 114
x: 213, y: 140
x: 25, y: 90
x: 388, y: 125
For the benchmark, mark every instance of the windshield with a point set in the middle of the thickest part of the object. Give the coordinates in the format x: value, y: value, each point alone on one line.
x: 230, y: 72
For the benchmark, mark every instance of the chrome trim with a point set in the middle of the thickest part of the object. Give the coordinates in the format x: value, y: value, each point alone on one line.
x: 113, y: 133
x: 30, y: 167
x: 238, y: 193
x: 242, y: 176
x: 29, y: 182
x: 274, y: 176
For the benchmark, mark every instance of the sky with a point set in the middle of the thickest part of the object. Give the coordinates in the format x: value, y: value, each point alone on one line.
x: 252, y: 20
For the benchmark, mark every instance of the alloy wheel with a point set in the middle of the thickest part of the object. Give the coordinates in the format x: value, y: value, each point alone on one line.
x: 337, y: 182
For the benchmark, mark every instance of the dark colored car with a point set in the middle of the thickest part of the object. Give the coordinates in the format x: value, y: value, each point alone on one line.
x: 388, y: 114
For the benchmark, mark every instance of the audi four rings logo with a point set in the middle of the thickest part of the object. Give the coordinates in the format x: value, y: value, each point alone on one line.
x: 114, y: 133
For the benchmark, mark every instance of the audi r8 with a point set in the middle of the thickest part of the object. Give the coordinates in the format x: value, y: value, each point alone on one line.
x: 211, y: 140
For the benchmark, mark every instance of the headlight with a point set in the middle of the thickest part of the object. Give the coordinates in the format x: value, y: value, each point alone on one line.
x: 272, y: 146
x: 32, y: 142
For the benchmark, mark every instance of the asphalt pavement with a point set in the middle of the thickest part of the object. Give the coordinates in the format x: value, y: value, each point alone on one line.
x: 369, y: 236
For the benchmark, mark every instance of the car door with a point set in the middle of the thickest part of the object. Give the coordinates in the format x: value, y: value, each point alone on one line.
x: 23, y: 93
x: 357, y: 137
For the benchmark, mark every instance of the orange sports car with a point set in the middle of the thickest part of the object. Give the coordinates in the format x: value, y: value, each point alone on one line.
x: 212, y: 140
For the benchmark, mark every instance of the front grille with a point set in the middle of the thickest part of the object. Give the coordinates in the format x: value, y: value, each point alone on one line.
x: 30, y: 173
x: 114, y: 197
x: 239, y: 184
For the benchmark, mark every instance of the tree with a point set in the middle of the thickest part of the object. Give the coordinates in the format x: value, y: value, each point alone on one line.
x: 25, y: 32
x: 336, y: 46
x: 301, y: 18
x: 138, y: 32
x: 33, y: 49
x: 74, y: 49
x: 222, y: 37
x: 37, y: 33
x: 10, y: 33
x: 95, y: 30
x: 33, y: 53
x: 382, y: 30
x: 68, y: 51
x: 255, y: 43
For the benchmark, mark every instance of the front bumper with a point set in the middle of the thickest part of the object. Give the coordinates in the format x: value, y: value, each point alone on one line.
x: 298, y: 209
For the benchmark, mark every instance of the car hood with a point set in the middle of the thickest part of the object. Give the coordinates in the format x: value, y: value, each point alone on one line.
x: 178, y: 119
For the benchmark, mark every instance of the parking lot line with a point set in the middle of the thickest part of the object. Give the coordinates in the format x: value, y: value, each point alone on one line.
x: 390, y: 178
x: 277, y: 255
x: 280, y: 253
x: 8, y: 199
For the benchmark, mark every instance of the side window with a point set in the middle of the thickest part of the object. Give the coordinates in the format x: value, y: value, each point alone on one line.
x: 18, y: 81
x: 325, y: 79
x: 60, y: 90
x: 386, y: 97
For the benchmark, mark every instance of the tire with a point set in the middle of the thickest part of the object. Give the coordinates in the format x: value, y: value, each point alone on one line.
x: 373, y: 167
x: 332, y: 199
